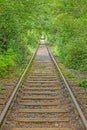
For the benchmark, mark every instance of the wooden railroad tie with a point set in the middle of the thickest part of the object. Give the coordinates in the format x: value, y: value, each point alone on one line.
x: 61, y: 110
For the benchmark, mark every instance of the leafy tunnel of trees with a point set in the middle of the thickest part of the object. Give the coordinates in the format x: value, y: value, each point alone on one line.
x: 63, y: 22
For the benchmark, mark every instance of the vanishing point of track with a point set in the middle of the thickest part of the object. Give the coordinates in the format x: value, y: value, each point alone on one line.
x: 42, y: 99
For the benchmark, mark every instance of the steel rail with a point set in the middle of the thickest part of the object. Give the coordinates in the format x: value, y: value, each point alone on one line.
x: 8, y: 104
x: 70, y: 91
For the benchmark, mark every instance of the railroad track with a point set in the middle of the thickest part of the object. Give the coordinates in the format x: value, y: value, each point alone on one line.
x: 42, y: 99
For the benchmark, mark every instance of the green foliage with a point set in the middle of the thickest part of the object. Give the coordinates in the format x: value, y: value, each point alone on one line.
x: 6, y: 62
x: 83, y: 83
x: 71, y: 28
x: 2, y: 65
x: 76, y: 56
x: 63, y: 23
x: 2, y: 87
x: 16, y: 44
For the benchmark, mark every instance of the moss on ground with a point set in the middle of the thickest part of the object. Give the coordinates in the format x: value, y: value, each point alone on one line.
x: 2, y: 87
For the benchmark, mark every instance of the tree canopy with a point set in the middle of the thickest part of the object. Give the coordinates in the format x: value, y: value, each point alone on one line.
x: 63, y: 22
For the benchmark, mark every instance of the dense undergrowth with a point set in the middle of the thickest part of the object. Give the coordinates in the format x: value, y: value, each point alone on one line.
x: 71, y: 31
x: 17, y: 36
x: 71, y: 36
x: 62, y: 22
